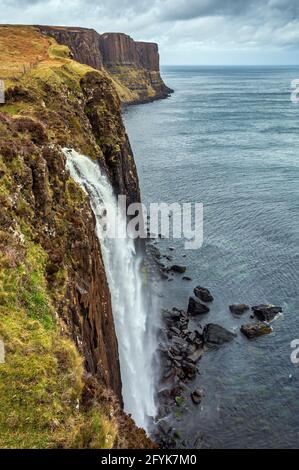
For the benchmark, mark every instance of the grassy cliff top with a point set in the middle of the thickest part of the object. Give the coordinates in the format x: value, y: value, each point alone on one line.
x: 23, y: 49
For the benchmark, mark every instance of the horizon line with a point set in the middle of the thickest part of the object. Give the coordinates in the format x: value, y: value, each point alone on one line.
x: 230, y: 65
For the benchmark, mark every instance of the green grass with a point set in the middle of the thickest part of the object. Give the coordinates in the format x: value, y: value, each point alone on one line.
x: 40, y: 382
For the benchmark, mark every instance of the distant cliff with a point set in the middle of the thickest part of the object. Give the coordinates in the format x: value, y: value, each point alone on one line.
x: 134, y: 66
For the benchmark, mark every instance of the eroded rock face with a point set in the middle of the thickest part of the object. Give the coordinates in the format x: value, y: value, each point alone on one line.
x: 104, y: 113
x: 83, y: 43
x: 148, y: 55
x: 118, y: 49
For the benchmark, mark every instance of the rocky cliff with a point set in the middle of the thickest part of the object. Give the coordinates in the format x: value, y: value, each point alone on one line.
x: 60, y: 384
x: 134, y: 66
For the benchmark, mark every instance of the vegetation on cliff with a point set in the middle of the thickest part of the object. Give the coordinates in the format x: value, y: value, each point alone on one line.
x: 60, y: 384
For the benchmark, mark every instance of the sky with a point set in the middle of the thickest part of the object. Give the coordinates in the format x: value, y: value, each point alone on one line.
x: 189, y: 32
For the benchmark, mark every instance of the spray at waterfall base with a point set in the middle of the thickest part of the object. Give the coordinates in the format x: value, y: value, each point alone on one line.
x: 161, y: 220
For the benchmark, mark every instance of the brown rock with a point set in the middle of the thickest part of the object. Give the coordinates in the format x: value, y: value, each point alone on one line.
x: 256, y: 329
x: 197, y: 396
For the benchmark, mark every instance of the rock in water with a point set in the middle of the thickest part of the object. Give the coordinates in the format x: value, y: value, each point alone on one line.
x: 196, y: 355
x: 216, y: 334
x: 197, y: 395
x: 178, y: 269
x: 196, y: 308
x: 203, y: 294
x: 239, y: 308
x: 266, y: 312
x: 256, y: 329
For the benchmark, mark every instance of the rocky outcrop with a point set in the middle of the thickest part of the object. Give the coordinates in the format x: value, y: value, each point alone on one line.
x: 253, y: 330
x: 102, y: 107
x: 135, y: 66
x: 266, y: 312
x: 214, y: 334
x: 203, y: 294
x: 148, y: 54
x: 83, y: 43
x: 118, y: 49
x: 196, y: 308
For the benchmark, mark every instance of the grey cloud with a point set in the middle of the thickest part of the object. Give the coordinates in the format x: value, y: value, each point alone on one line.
x: 186, y: 25
x: 190, y: 9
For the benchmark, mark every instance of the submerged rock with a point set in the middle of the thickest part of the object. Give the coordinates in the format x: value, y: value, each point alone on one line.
x: 256, y: 329
x: 197, y: 396
x: 196, y: 308
x: 266, y: 312
x: 186, y: 278
x: 216, y: 334
x: 203, y: 294
x: 238, y: 309
x: 164, y: 427
x: 154, y: 250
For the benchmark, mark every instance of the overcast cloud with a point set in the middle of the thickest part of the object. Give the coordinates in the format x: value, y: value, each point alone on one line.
x: 188, y: 31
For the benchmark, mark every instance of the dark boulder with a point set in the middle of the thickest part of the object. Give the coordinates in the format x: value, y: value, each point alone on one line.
x: 164, y: 428
x: 215, y: 334
x: 178, y: 269
x: 196, y: 308
x: 256, y: 329
x: 187, y: 278
x: 239, y: 308
x: 203, y: 294
x: 197, y: 395
x: 266, y: 312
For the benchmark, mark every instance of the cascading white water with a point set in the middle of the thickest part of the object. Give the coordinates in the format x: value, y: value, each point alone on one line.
x: 128, y: 294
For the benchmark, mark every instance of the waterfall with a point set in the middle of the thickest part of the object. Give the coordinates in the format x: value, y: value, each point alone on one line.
x: 129, y: 295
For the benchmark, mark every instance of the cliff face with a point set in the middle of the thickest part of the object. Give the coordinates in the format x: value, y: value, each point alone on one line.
x: 134, y: 66
x: 149, y: 56
x: 83, y: 43
x: 53, y: 288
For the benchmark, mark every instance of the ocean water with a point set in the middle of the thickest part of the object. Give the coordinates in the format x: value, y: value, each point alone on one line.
x: 229, y: 138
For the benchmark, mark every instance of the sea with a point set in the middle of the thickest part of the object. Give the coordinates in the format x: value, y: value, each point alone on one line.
x: 229, y: 138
